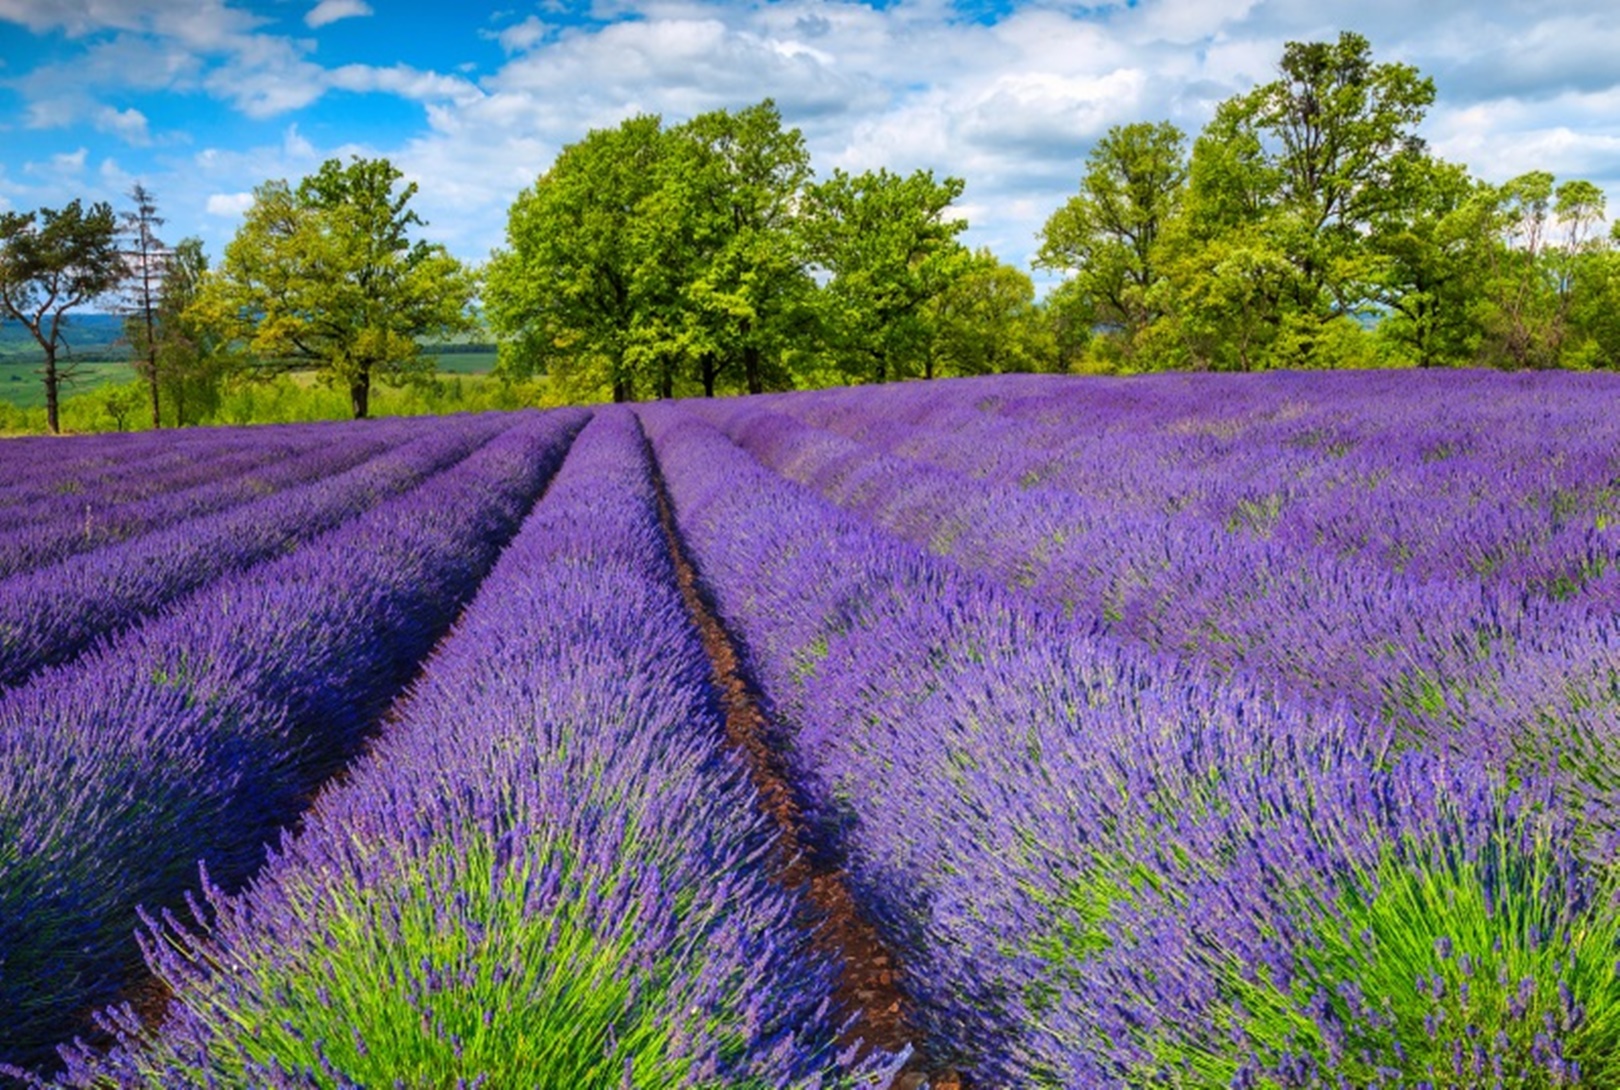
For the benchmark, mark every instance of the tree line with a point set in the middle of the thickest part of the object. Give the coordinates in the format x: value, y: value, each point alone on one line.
x: 1306, y: 225
x: 320, y: 277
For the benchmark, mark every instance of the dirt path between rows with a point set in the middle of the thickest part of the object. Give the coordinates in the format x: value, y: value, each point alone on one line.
x: 870, y: 979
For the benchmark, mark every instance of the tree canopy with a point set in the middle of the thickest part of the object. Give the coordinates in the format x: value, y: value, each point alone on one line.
x: 651, y: 261
x: 53, y: 261
x: 1306, y: 225
x: 325, y: 276
x: 1311, y: 226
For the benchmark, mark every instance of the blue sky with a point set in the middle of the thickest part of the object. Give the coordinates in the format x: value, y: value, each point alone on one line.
x: 201, y: 100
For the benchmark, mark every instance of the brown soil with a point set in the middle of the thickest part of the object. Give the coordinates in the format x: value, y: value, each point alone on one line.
x: 870, y: 980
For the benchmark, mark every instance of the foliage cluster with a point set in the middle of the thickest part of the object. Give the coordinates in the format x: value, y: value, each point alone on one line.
x: 1310, y: 226
x: 704, y: 257
x: 1307, y: 225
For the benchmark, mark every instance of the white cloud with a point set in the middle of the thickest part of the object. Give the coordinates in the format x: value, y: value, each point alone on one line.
x: 113, y: 176
x: 129, y: 125
x: 520, y: 37
x: 1013, y: 106
x: 229, y: 204
x: 63, y: 166
x: 330, y: 11
x: 404, y: 81
x: 201, y: 24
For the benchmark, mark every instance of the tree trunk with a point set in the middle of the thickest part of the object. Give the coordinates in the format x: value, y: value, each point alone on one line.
x: 52, y: 420
x: 151, y: 362
x: 360, y: 394
x: 710, y: 373
x: 666, y: 382
x: 621, y: 391
x: 751, y: 370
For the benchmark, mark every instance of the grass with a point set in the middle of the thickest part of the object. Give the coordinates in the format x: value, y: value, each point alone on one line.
x: 1432, y: 971
x: 22, y: 388
x: 463, y: 384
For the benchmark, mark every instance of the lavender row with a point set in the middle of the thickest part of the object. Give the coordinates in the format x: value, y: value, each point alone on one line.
x: 233, y: 476
x: 1497, y: 477
x: 1494, y: 672
x: 1103, y: 869
x: 196, y: 735
x: 47, y: 475
x: 51, y: 614
x: 46, y: 467
x: 101, y: 506
x: 547, y: 872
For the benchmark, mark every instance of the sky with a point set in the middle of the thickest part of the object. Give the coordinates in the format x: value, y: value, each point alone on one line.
x: 202, y: 100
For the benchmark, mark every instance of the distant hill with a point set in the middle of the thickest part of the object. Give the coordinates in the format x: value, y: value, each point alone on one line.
x: 88, y: 336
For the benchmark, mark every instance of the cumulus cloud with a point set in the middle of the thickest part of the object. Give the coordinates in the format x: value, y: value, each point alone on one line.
x: 228, y: 204
x: 1012, y: 104
x: 66, y: 165
x: 201, y: 24
x: 128, y: 125
x: 520, y: 37
x: 330, y: 11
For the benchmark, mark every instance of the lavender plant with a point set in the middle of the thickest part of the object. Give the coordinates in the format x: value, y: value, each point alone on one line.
x: 1117, y: 869
x: 234, y: 473
x: 547, y: 872
x: 196, y: 735
x: 1436, y: 658
x: 51, y: 614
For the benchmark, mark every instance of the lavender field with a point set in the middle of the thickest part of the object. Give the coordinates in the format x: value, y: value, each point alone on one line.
x: 1026, y: 731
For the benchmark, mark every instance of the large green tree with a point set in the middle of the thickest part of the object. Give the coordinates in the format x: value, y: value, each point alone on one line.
x: 888, y: 246
x: 648, y: 260
x: 579, y: 279
x: 53, y: 261
x: 326, y: 276
x: 1106, y: 237
x: 1547, y: 281
x: 728, y: 197
x: 192, y: 360
x: 1302, y: 169
x: 986, y: 322
x: 1431, y: 255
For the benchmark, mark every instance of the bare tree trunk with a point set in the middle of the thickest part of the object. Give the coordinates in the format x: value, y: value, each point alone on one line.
x: 751, y: 370
x: 52, y: 417
x: 360, y: 394
x: 151, y: 363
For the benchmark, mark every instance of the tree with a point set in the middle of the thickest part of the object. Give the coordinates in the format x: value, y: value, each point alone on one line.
x: 1594, y: 309
x: 1223, y: 300
x: 887, y: 247
x: 1107, y: 235
x: 1313, y: 160
x: 1433, y: 253
x: 52, y: 261
x: 190, y: 356
x: 1547, y: 285
x: 579, y: 280
x: 1518, y: 306
x: 326, y: 276
x: 729, y: 189
x: 146, y: 259
x: 985, y: 322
